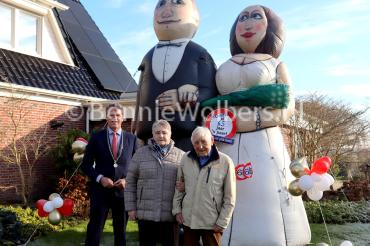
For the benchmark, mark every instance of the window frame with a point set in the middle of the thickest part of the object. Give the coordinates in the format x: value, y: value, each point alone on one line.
x: 15, y: 15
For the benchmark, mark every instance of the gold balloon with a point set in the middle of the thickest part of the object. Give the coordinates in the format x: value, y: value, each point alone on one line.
x: 294, y: 188
x: 78, y: 147
x: 322, y: 244
x: 53, y: 195
x: 54, y: 217
x: 78, y: 157
x: 298, y: 166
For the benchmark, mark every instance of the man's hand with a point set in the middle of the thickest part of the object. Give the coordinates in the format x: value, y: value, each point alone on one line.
x: 168, y: 100
x: 132, y: 215
x: 179, y: 218
x: 120, y: 184
x: 106, y: 182
x: 188, y: 94
x: 217, y: 228
x: 180, y: 185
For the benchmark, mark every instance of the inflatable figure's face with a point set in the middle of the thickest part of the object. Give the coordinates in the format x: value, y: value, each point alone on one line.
x: 251, y: 28
x: 174, y: 19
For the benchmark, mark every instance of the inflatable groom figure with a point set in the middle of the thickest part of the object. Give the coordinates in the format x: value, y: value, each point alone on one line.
x: 176, y: 74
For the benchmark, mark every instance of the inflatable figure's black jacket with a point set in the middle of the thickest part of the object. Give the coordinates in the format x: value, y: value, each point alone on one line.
x: 196, y: 68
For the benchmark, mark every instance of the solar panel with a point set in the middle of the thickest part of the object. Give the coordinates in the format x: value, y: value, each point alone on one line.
x: 95, y: 49
x: 104, y: 50
x: 116, y: 68
x: 80, y: 38
x: 103, y: 73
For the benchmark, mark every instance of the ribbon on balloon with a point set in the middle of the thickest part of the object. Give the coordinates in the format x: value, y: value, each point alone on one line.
x: 314, y: 181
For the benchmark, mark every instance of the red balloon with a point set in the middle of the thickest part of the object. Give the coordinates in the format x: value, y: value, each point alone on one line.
x: 40, y: 203
x: 41, y: 212
x: 67, y: 208
x: 327, y: 158
x: 321, y: 165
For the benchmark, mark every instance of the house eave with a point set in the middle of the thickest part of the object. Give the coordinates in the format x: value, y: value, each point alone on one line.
x: 40, y: 7
x: 54, y: 4
x: 38, y: 94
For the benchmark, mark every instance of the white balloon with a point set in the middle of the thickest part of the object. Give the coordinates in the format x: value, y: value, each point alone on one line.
x: 48, y: 206
x: 324, y: 184
x: 346, y: 243
x: 314, y: 194
x: 57, y: 202
x: 328, y: 176
x: 305, y: 182
x: 316, y: 177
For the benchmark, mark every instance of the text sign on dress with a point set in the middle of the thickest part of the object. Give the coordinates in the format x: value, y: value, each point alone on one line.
x: 222, y: 124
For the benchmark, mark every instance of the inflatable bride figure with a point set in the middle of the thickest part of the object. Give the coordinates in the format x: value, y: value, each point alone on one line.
x: 257, y: 85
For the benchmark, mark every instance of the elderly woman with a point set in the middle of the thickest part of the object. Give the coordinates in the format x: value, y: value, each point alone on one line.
x: 150, y: 187
x: 206, y: 206
x: 254, y: 80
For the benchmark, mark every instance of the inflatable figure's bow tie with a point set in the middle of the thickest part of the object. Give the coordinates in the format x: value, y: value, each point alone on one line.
x: 169, y: 44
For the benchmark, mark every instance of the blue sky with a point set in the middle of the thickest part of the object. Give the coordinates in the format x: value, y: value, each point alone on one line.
x: 327, y: 48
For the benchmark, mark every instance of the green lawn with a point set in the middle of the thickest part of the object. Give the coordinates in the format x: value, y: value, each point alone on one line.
x: 76, y: 236
x: 358, y: 234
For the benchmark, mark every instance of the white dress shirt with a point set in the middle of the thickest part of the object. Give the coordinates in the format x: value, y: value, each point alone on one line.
x: 166, y: 59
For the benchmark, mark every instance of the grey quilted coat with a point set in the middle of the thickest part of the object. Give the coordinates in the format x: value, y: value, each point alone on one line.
x: 151, y: 183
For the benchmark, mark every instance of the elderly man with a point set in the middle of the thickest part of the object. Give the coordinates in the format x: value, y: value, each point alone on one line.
x: 150, y: 186
x: 111, y: 150
x: 206, y: 206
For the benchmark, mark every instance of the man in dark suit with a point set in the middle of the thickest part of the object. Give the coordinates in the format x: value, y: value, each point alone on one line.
x: 111, y: 150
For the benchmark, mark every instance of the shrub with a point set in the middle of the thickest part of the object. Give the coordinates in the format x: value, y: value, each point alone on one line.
x: 338, y: 212
x: 77, y: 191
x: 19, y: 223
x: 62, y: 153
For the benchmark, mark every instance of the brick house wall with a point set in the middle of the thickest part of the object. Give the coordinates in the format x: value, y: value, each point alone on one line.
x: 40, y: 114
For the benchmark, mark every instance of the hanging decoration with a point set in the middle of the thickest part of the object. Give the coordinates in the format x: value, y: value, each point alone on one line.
x: 54, y: 208
x: 314, y: 181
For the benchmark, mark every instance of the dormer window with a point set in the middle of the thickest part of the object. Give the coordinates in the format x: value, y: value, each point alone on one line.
x: 20, y: 30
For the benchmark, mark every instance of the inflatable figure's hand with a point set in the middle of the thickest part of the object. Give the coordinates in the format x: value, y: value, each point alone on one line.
x: 168, y: 100
x: 188, y: 94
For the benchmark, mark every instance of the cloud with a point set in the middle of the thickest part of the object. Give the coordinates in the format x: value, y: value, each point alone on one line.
x: 145, y: 37
x: 211, y: 33
x: 327, y: 24
x: 114, y: 3
x: 357, y: 90
x: 343, y: 65
x: 146, y: 7
x: 348, y: 70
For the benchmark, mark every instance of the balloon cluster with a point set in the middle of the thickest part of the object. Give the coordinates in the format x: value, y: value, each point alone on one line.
x: 78, y: 148
x: 54, y: 208
x: 315, y: 180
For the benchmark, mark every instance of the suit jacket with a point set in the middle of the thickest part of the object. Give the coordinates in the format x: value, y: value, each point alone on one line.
x: 98, y: 151
x: 196, y: 68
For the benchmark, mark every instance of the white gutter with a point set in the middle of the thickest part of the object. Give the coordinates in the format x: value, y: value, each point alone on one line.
x: 43, y: 95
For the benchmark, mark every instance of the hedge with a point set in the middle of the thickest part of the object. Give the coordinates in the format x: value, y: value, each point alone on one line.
x: 338, y: 212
